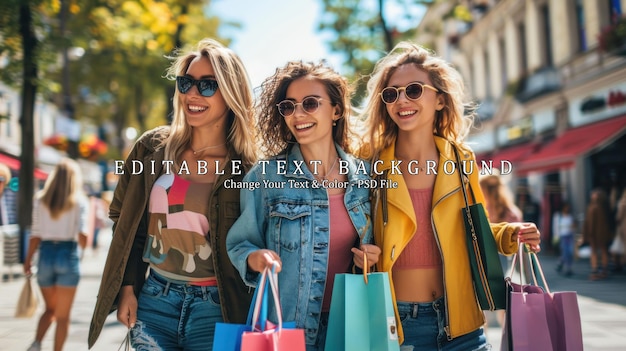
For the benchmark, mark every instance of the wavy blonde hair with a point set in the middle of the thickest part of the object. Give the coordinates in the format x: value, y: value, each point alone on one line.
x: 453, y: 122
x: 63, y: 188
x: 234, y: 84
x: 271, y: 124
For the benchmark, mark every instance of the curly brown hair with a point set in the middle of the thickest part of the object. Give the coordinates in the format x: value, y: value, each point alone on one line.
x: 271, y: 125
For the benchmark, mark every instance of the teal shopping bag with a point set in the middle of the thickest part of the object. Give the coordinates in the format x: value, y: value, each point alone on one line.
x: 362, y: 314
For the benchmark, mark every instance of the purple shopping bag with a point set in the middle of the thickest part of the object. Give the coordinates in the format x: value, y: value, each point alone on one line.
x: 538, y: 319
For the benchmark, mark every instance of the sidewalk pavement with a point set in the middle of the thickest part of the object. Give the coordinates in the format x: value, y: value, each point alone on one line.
x: 602, y: 306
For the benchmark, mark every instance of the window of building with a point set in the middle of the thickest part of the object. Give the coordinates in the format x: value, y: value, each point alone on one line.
x: 521, y: 32
x: 547, y: 37
x: 615, y: 10
x: 487, y: 75
x: 580, y: 26
x: 503, y: 69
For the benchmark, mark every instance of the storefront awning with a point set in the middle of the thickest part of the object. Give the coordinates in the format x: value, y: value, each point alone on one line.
x: 512, y: 154
x: 562, y: 152
x: 14, y: 163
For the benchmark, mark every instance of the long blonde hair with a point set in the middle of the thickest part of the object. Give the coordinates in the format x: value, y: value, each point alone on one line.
x: 63, y: 188
x: 453, y: 122
x: 234, y: 84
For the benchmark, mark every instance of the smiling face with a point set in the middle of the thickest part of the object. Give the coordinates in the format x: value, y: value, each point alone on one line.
x: 413, y: 115
x: 200, y: 110
x: 310, y: 128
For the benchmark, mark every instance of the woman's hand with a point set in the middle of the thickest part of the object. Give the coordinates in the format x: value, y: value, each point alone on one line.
x: 27, y: 267
x: 372, y: 251
x: 260, y: 259
x: 127, y: 306
x: 527, y: 233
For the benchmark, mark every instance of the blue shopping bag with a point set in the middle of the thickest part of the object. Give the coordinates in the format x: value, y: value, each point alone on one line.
x: 361, y: 314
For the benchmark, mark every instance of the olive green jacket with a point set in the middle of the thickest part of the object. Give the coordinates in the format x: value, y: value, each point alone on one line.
x: 128, y: 210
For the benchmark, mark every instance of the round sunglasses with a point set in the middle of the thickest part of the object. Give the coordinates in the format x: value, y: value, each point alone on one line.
x: 310, y: 104
x: 412, y: 91
x: 206, y: 87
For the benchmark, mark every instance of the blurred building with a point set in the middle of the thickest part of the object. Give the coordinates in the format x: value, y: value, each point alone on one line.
x: 550, y: 77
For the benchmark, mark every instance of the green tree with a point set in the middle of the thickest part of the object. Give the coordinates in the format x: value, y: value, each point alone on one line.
x: 365, y: 30
x: 117, y: 75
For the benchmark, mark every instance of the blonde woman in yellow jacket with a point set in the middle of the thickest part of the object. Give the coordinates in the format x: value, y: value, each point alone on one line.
x: 416, y: 117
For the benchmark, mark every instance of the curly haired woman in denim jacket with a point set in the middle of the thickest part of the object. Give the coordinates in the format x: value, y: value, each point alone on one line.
x: 307, y: 212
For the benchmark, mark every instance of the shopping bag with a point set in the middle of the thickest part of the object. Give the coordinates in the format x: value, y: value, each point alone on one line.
x: 538, y: 319
x: 27, y: 302
x: 275, y: 337
x: 228, y: 335
x: 484, y: 259
x: 361, y: 313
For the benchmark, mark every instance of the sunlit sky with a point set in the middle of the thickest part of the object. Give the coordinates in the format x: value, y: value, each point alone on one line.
x: 274, y: 32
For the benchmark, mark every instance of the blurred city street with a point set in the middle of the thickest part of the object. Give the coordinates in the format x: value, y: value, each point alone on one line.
x: 602, y: 305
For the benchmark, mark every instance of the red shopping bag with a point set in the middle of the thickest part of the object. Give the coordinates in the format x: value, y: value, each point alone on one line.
x: 273, y: 338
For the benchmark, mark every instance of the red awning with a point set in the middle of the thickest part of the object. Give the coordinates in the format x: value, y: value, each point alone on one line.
x: 562, y: 152
x: 513, y: 154
x: 14, y: 163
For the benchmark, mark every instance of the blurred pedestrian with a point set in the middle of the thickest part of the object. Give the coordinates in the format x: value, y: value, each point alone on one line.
x: 8, y: 198
x: 167, y: 272
x: 563, y: 229
x: 59, y: 232
x: 99, y: 209
x: 498, y: 200
x: 597, y: 232
x: 500, y: 208
x: 620, y: 231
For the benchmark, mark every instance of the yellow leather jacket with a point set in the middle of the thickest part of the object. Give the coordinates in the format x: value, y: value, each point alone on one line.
x: 463, y: 312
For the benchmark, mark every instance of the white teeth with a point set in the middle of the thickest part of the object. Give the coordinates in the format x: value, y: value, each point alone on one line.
x: 193, y: 108
x: 303, y: 126
x: 406, y: 113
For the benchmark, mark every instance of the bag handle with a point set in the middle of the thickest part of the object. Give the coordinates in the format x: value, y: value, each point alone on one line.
x: 268, y: 276
x: 532, y: 259
x: 461, y: 174
x: 365, y: 262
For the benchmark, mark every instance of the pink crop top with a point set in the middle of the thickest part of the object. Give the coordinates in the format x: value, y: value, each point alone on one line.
x: 422, y: 251
x: 343, y: 237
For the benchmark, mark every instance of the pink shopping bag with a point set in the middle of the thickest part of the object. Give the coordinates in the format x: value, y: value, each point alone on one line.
x: 274, y: 338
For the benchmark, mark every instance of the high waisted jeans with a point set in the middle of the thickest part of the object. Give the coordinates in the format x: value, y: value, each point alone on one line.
x: 175, y: 316
x: 423, y: 325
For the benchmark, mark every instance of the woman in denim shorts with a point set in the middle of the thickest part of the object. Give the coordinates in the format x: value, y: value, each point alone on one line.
x: 59, y: 232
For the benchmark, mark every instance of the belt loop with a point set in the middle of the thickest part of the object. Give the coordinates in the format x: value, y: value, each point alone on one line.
x: 415, y: 308
x: 167, y: 288
x: 204, y: 293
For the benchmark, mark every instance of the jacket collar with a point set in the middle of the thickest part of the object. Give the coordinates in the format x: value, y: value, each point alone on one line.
x: 295, y: 154
x: 445, y: 183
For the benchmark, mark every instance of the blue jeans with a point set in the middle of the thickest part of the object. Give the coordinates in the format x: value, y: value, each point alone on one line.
x: 423, y: 325
x: 174, y: 316
x: 566, y: 244
x: 58, y: 264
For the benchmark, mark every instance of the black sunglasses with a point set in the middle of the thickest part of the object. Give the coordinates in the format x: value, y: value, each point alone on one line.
x: 206, y: 87
x: 412, y: 91
x: 310, y: 104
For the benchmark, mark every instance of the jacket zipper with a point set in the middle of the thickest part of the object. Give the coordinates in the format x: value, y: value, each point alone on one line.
x: 443, y: 263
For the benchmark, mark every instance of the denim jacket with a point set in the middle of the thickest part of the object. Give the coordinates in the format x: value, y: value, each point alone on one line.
x: 295, y: 223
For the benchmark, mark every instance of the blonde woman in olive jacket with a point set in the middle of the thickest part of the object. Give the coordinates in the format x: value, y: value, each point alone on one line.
x: 415, y: 114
